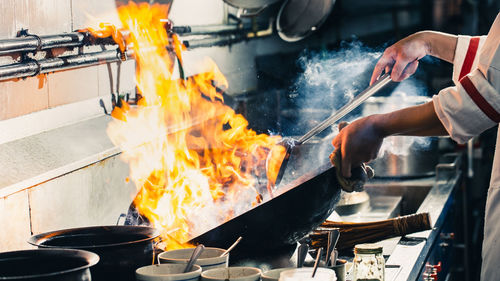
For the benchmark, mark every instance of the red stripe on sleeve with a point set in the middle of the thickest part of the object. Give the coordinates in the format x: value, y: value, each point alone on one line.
x: 469, y: 57
x: 479, y: 100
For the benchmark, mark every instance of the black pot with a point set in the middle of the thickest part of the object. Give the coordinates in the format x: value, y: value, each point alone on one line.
x: 47, y: 264
x: 122, y: 249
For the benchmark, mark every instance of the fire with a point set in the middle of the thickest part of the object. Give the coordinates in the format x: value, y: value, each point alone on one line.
x: 194, y: 160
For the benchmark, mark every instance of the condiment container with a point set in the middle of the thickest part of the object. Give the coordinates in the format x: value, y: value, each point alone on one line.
x: 368, y: 263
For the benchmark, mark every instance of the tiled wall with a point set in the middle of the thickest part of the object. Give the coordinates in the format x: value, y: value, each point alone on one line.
x: 43, y: 17
x: 93, y: 195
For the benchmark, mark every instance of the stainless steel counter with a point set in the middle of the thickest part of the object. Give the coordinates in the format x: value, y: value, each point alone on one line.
x: 408, y: 255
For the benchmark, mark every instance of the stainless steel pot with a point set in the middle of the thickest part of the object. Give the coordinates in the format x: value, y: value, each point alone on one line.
x: 413, y: 160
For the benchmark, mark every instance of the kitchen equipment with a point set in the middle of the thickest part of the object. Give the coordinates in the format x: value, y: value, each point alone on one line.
x: 368, y: 263
x: 47, y: 265
x: 232, y: 246
x: 352, y: 233
x: 239, y: 273
x: 291, y: 144
x: 274, y: 274
x: 297, y: 19
x: 408, y: 156
x: 250, y: 8
x: 167, y: 272
x: 196, y: 254
x: 122, y: 249
x: 304, y: 274
x: 301, y: 254
x: 339, y: 268
x: 210, y: 258
x: 333, y: 237
x: 352, y: 202
x: 316, y: 262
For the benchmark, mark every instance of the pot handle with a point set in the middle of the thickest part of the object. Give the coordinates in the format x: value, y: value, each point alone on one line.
x: 119, y: 217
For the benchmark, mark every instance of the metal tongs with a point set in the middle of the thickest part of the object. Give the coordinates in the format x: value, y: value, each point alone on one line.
x: 290, y: 143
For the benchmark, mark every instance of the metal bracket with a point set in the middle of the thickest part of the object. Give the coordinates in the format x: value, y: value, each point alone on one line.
x: 443, y: 170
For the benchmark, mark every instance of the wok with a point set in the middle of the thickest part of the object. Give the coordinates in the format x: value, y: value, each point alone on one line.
x: 122, y: 249
x: 47, y: 265
x: 305, y: 198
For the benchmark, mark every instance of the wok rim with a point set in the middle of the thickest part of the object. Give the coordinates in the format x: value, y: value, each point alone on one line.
x: 39, y: 239
x: 91, y: 259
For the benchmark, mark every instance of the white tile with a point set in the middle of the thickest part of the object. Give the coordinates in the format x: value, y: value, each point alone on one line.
x: 22, y: 97
x: 197, y: 12
x: 90, y: 13
x: 43, y: 17
x: 72, y: 85
x: 7, y: 22
x: 95, y: 195
x: 15, y: 221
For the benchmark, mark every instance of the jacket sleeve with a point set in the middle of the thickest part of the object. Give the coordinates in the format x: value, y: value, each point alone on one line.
x: 473, y: 105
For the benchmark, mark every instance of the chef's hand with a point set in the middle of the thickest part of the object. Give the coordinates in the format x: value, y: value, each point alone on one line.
x: 402, y: 58
x: 359, y: 142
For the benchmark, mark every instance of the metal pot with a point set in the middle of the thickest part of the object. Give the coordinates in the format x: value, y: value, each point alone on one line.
x: 250, y: 8
x: 122, y: 249
x: 297, y: 19
x: 414, y: 160
x: 47, y: 265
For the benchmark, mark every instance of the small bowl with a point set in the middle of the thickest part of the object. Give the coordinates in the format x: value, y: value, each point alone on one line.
x: 210, y: 258
x: 237, y: 273
x: 304, y: 274
x: 339, y: 269
x: 274, y: 274
x: 167, y: 272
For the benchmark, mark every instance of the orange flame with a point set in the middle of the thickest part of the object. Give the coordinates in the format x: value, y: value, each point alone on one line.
x: 193, y: 159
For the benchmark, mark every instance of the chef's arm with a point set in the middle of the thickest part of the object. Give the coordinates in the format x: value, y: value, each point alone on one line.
x: 360, y: 141
x: 401, y: 59
x: 420, y: 120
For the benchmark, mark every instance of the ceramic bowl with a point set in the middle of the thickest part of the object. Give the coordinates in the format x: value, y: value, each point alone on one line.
x: 238, y: 273
x: 167, y: 272
x: 304, y: 274
x: 210, y: 258
x: 274, y: 274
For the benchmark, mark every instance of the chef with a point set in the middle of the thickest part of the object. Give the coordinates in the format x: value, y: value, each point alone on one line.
x: 462, y: 112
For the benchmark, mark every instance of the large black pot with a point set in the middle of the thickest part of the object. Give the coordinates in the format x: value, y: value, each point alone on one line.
x: 122, y: 249
x: 308, y: 194
x: 47, y: 265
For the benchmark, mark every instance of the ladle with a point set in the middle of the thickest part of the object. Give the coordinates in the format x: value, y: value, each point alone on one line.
x: 316, y: 262
x: 196, y: 254
x: 290, y: 143
x: 231, y: 247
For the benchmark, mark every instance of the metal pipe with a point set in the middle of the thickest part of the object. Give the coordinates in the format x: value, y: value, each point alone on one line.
x: 35, y: 67
x: 206, y: 29
x: 33, y: 43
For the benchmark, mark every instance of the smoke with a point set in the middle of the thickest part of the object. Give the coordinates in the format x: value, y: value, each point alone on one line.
x: 331, y: 79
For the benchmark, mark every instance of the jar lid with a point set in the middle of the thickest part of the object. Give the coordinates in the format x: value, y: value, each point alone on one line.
x: 368, y: 249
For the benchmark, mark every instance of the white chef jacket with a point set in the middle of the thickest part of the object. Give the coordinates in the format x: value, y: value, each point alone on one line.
x: 468, y: 109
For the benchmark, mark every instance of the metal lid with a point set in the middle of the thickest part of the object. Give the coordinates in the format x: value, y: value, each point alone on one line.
x: 368, y: 249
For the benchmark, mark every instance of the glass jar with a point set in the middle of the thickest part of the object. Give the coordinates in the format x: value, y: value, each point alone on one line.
x: 368, y: 263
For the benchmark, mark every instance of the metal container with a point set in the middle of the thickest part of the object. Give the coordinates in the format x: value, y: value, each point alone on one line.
x: 47, y: 265
x: 412, y: 159
x: 122, y: 249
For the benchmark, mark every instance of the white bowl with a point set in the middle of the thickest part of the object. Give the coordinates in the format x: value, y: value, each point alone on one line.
x: 167, y: 272
x: 238, y: 273
x: 305, y: 273
x: 210, y: 258
x: 274, y: 274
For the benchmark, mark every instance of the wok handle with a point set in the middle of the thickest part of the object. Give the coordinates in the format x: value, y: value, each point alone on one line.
x: 343, y: 111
